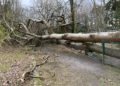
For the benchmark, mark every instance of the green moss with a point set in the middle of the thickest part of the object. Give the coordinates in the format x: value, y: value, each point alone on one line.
x: 2, y: 32
x: 4, y: 68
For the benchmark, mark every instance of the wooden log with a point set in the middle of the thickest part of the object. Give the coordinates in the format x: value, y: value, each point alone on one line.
x: 88, y: 37
x: 80, y: 37
x: 94, y: 37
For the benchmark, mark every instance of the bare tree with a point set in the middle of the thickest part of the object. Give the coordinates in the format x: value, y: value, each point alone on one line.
x: 72, y: 15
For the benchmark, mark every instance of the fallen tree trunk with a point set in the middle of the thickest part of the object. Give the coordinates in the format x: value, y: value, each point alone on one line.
x: 75, y: 37
x: 94, y: 37
x: 80, y: 37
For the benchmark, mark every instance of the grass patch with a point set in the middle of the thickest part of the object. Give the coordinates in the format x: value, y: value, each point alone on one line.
x: 7, y: 59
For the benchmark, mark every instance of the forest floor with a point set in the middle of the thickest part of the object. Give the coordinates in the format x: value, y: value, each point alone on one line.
x: 64, y: 67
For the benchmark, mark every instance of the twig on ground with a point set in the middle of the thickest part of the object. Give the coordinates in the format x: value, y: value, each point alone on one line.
x: 29, y: 74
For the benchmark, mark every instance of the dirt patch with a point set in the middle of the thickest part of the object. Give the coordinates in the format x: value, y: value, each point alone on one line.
x: 65, y: 67
x: 76, y: 69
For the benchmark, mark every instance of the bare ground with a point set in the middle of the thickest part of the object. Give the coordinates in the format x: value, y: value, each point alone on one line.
x: 65, y: 67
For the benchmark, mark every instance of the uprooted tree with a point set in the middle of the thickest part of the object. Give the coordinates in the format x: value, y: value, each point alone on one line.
x: 39, y: 30
x: 101, y: 37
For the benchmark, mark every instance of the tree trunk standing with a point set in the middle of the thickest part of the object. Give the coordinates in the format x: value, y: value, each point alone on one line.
x: 72, y: 15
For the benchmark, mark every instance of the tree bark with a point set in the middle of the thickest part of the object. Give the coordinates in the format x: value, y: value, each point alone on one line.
x: 72, y: 15
x: 105, y: 37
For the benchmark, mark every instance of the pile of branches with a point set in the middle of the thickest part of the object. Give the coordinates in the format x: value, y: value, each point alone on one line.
x: 20, y: 34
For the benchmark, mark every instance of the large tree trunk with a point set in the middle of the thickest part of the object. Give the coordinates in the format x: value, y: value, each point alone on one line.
x: 80, y: 37
x: 72, y: 15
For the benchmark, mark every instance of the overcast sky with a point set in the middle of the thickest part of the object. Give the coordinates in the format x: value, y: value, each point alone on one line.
x: 28, y: 3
